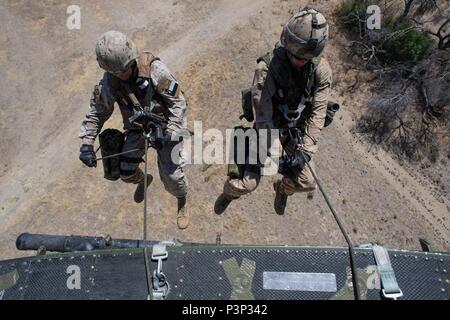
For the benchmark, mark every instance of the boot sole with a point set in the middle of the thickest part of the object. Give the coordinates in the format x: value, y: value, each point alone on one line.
x: 149, y: 182
x: 274, y: 207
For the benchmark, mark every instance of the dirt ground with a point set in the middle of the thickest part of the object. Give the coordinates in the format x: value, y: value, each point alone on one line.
x: 48, y: 73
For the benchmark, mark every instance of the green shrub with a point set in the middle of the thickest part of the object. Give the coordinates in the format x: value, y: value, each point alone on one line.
x: 410, y: 46
x: 407, y: 46
x: 352, y: 13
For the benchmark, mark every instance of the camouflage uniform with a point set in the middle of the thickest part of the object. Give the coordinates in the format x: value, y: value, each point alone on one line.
x: 292, y: 79
x: 263, y: 90
x: 171, y: 103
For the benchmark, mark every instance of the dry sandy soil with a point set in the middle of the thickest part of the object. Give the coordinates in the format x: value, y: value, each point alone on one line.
x: 48, y: 73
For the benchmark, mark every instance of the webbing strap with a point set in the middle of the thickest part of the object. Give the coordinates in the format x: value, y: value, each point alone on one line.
x: 160, y: 288
x: 389, y: 283
x: 149, y: 95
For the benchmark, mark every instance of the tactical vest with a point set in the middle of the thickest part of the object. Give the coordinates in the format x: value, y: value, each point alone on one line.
x: 296, y: 87
x: 128, y: 94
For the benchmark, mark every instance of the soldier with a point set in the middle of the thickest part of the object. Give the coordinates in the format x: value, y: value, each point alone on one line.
x: 290, y: 89
x: 130, y: 78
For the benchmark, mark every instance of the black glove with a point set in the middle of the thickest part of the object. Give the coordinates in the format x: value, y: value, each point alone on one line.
x: 290, y: 139
x: 87, y: 155
x: 299, y: 160
x: 158, y: 139
x: 292, y: 165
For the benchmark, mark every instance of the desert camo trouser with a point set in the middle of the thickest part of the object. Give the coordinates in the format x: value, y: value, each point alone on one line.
x: 304, y: 182
x: 170, y: 170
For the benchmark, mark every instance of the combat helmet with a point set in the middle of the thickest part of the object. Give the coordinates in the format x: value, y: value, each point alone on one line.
x: 305, y: 34
x: 115, y: 52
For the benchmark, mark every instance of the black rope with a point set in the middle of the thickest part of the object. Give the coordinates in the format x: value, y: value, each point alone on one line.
x: 118, y: 154
x: 356, y: 290
x: 148, y: 275
x: 145, y: 250
x: 145, y: 189
x: 147, y: 265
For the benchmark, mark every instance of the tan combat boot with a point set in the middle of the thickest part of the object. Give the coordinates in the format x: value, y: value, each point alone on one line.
x: 182, y: 214
x: 139, y: 193
x: 280, y: 198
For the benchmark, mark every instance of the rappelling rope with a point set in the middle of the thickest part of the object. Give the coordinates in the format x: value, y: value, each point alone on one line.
x: 117, y: 154
x: 333, y: 211
x: 146, y: 262
x: 356, y: 290
x: 147, y: 266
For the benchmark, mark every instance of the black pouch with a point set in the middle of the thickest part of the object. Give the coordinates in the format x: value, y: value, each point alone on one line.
x: 247, y: 107
x: 236, y: 170
x: 111, y: 142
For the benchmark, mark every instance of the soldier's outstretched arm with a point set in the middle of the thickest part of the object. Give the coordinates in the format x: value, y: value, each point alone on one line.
x: 263, y: 89
x: 101, y: 108
x: 169, y: 89
x: 319, y: 110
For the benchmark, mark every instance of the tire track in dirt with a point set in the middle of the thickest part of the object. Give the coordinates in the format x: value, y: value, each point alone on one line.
x: 418, y: 193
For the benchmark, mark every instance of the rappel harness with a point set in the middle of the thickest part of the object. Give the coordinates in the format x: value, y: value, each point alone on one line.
x: 294, y: 95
